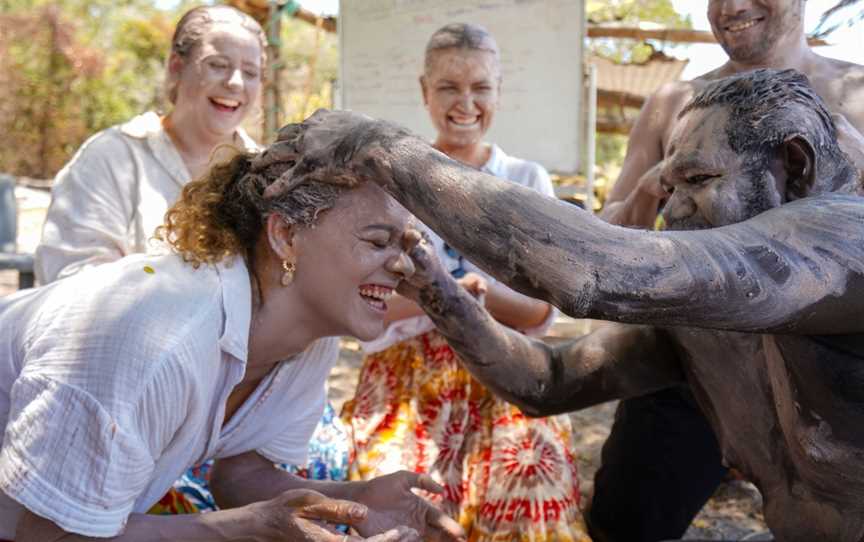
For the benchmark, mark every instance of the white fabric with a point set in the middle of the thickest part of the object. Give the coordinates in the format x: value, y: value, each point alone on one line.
x: 110, y: 388
x: 110, y: 198
x: 529, y: 174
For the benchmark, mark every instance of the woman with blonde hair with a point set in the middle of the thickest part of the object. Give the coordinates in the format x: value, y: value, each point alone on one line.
x: 505, y: 477
x: 118, y: 378
x: 109, y: 199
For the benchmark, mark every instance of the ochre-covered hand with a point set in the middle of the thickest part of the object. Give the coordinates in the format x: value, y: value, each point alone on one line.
x: 392, y: 503
x: 308, y: 516
x: 330, y: 146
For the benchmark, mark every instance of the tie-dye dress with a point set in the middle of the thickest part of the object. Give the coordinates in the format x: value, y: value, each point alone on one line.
x: 506, y: 477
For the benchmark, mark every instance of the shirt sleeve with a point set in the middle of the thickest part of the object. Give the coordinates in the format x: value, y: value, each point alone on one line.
x: 540, y: 180
x: 66, y: 458
x: 91, y: 208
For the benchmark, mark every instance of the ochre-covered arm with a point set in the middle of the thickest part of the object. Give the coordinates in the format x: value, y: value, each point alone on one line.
x: 615, y: 362
x: 795, y: 269
x: 798, y: 268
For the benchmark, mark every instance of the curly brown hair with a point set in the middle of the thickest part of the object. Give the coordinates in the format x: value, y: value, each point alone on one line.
x: 223, y: 213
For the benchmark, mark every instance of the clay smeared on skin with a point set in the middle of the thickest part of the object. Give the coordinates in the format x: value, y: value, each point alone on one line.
x: 761, y: 316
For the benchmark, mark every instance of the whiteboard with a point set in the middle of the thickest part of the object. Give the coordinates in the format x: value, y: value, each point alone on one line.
x: 540, y: 118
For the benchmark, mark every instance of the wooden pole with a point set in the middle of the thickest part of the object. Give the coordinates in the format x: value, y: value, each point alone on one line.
x: 674, y: 35
x: 272, y: 94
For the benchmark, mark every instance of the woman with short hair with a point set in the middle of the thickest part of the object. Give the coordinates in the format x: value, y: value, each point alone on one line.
x: 505, y: 477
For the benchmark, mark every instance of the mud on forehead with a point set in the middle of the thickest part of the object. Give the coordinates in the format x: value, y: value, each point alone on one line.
x: 369, y: 204
x: 702, y: 130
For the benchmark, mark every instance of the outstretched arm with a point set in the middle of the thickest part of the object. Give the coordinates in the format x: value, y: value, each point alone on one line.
x: 793, y: 269
x: 614, y: 362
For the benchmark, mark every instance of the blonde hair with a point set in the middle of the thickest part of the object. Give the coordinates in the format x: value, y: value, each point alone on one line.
x: 223, y: 213
x: 194, y: 25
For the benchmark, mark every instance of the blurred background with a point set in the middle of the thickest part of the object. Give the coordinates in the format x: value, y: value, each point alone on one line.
x: 70, y: 68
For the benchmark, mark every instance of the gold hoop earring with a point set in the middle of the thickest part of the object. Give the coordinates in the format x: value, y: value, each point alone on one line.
x: 288, y: 275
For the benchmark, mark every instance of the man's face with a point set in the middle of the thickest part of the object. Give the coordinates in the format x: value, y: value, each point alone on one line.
x: 749, y: 30
x: 712, y: 184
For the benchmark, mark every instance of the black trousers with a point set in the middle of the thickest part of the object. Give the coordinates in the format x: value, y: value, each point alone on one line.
x: 659, y: 466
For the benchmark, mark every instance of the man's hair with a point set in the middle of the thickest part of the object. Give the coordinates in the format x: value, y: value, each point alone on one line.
x: 767, y: 107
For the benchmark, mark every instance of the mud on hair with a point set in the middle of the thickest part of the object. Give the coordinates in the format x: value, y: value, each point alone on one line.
x: 223, y: 213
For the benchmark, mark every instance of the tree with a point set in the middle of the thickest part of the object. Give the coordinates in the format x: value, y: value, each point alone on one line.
x: 611, y: 147
x: 827, y: 26
x: 72, y: 69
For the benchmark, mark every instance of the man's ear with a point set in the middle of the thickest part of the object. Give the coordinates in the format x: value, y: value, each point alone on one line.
x: 280, y: 237
x: 799, y: 161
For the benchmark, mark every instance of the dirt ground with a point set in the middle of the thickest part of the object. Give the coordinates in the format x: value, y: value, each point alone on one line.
x: 734, y: 513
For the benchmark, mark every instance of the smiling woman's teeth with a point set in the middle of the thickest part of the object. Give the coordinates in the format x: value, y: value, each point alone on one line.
x: 463, y: 122
x: 377, y: 295
x: 225, y: 102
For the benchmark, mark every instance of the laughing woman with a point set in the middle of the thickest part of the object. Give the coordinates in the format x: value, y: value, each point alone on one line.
x: 506, y: 477
x: 116, y: 379
x: 109, y: 199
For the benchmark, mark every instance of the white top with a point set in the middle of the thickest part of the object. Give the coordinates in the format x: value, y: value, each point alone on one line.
x: 109, y: 199
x: 110, y: 389
x: 529, y: 174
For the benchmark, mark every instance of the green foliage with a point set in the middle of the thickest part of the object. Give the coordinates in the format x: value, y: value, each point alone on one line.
x: 632, y: 13
x: 645, y: 13
x: 72, y: 69
x: 310, y: 60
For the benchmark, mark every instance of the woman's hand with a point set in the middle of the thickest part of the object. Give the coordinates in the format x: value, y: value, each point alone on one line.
x: 391, y: 503
x: 476, y: 285
x: 306, y: 515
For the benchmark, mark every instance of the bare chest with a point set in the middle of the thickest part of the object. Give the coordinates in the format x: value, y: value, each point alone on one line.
x: 789, y: 413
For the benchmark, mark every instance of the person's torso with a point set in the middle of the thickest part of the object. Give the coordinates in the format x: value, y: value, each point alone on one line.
x: 788, y: 412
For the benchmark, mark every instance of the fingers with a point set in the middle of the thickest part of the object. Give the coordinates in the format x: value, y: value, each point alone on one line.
x: 399, y: 534
x: 421, y: 481
x: 443, y: 527
x: 334, y: 511
x: 411, y: 239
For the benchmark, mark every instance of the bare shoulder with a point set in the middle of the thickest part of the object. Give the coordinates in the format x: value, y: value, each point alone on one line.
x: 660, y: 112
x: 674, y: 94
x: 841, y: 86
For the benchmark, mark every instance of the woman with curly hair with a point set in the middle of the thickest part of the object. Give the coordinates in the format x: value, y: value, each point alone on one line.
x: 116, y: 379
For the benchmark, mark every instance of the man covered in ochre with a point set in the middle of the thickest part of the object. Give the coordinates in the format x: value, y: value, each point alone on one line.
x: 753, y: 296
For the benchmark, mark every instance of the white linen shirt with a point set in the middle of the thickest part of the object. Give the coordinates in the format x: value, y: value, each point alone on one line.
x: 529, y: 174
x: 109, y: 199
x: 114, y: 381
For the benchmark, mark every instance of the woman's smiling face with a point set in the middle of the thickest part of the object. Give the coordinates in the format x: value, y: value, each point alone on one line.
x: 461, y: 90
x: 351, y: 261
x: 221, y: 80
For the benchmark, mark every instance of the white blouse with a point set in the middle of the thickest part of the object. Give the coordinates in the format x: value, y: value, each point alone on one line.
x: 109, y: 199
x: 114, y: 381
x: 529, y: 174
